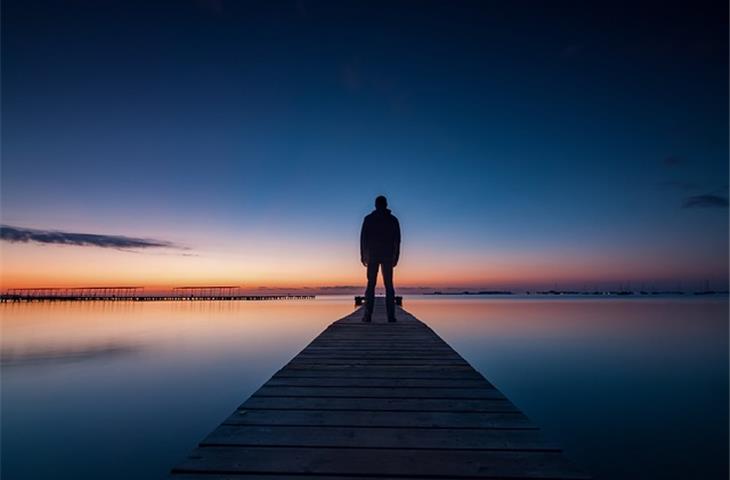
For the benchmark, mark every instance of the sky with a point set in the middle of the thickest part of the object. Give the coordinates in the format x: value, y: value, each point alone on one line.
x: 520, y: 144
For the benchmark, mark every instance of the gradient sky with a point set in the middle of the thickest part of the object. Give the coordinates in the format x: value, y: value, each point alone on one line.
x: 521, y: 144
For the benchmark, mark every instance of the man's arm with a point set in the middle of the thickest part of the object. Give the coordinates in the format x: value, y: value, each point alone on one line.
x: 364, y: 242
x: 396, y: 241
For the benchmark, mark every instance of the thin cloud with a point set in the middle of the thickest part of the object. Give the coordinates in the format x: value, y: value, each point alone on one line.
x: 55, y: 237
x: 705, y: 201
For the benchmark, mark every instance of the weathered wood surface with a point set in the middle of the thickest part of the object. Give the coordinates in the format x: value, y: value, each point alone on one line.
x: 376, y: 401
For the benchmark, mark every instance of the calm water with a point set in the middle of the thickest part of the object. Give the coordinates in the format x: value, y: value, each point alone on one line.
x: 631, y: 388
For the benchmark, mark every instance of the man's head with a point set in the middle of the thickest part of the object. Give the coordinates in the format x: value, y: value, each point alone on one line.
x: 381, y: 203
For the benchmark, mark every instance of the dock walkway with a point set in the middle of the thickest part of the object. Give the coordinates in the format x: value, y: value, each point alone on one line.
x: 376, y: 401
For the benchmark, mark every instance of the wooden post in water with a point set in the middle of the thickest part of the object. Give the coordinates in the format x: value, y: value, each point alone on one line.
x: 376, y: 401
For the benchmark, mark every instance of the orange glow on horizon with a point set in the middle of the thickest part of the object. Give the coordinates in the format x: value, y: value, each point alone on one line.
x: 29, y: 266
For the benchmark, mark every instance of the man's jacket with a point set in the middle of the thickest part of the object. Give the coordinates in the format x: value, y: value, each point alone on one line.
x: 380, y: 238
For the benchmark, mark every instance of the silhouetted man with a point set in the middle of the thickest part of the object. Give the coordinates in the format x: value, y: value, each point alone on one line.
x: 380, y: 248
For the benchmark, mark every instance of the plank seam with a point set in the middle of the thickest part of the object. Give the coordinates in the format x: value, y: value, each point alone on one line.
x: 296, y: 425
x: 355, y: 447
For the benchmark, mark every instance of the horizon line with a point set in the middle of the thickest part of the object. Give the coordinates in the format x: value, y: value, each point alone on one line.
x: 348, y: 289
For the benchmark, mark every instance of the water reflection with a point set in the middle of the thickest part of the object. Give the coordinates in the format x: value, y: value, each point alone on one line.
x: 632, y: 388
x: 135, y: 415
x: 50, y: 354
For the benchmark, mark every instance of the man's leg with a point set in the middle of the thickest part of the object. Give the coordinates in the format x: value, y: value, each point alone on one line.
x: 389, y: 290
x: 370, y: 290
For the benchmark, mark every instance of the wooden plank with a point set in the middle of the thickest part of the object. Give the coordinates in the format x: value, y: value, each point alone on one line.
x: 380, y: 349
x: 255, y: 476
x: 380, y: 371
x: 416, y: 332
x: 388, y: 343
x: 372, y: 437
x: 378, y: 392
x: 445, y: 359
x: 509, y: 417
x: 326, y: 341
x: 347, y: 353
x: 365, y: 353
x: 383, y: 331
x: 396, y: 462
x: 374, y: 341
x: 378, y: 382
x: 392, y: 337
x: 322, y: 346
x: 376, y: 361
x: 379, y: 346
x: 347, y: 371
x: 382, y: 404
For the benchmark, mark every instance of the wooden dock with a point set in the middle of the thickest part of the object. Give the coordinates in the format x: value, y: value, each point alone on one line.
x: 376, y: 401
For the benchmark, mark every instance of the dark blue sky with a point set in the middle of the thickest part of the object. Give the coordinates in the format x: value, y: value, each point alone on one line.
x: 519, y: 142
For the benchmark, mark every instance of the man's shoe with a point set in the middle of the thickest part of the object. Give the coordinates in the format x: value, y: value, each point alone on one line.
x: 367, y: 318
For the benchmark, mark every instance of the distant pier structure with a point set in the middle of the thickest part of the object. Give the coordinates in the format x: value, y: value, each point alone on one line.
x: 73, y: 293
x: 212, y: 292
x: 134, y: 293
